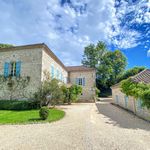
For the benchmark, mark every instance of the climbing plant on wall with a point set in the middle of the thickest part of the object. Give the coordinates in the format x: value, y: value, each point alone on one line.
x: 137, y: 90
x: 14, y: 85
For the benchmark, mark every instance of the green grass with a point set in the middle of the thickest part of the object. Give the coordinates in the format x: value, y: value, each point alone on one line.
x: 28, y: 116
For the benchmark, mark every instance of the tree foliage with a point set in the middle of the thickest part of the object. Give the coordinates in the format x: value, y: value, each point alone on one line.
x: 109, y: 65
x: 49, y: 93
x: 5, y: 45
x: 112, y: 65
x: 137, y: 90
x: 130, y: 72
x: 93, y: 54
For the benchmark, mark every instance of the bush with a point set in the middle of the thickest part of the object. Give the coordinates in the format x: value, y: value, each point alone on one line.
x: 72, y: 93
x: 18, y: 105
x: 44, y: 113
x: 50, y: 92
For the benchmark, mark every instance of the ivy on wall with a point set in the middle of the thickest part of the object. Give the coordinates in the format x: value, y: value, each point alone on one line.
x: 137, y: 90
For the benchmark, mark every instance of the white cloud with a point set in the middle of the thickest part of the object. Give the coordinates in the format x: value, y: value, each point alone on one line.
x: 148, y: 53
x: 68, y: 29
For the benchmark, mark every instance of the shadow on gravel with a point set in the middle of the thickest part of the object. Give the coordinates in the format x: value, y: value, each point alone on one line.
x: 121, y: 118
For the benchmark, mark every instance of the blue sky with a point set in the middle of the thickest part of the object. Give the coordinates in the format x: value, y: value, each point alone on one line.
x: 67, y: 26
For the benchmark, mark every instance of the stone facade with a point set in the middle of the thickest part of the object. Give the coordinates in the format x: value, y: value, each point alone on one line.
x: 31, y: 63
x: 129, y: 103
x: 88, y: 90
x: 37, y: 58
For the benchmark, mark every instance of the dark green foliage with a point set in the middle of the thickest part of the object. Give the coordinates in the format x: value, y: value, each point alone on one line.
x: 18, y: 105
x: 137, y: 90
x: 146, y: 98
x: 93, y: 54
x: 71, y: 93
x: 44, y: 113
x: 109, y: 65
x: 130, y: 72
x: 5, y: 45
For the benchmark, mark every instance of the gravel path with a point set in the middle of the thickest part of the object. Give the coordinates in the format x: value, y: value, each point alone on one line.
x: 85, y: 127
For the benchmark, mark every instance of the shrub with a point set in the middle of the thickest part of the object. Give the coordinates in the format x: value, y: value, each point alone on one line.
x: 72, y: 93
x: 44, y: 113
x: 50, y: 92
x: 18, y: 105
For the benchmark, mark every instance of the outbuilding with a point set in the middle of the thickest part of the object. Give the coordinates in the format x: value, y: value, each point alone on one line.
x: 130, y: 103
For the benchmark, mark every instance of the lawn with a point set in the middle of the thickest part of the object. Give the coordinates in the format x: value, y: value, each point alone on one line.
x: 28, y: 116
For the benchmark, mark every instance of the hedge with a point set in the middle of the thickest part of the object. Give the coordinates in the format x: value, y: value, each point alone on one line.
x: 18, y: 104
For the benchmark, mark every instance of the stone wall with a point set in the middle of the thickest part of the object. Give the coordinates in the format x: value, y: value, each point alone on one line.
x: 88, y: 91
x: 132, y: 104
x: 47, y: 62
x: 31, y: 64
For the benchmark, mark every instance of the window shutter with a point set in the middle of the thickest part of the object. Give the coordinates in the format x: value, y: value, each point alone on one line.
x: 18, y: 68
x: 83, y: 81
x: 6, y: 69
x: 139, y: 104
x: 77, y: 81
x: 52, y: 71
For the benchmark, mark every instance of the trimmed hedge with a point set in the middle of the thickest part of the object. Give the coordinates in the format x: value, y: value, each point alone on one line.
x: 18, y: 105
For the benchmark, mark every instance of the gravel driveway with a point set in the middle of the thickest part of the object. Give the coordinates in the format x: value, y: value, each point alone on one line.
x: 85, y: 127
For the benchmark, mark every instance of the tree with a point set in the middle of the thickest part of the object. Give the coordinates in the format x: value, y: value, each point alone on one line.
x: 109, y: 65
x: 113, y: 65
x: 50, y: 92
x: 130, y: 72
x: 93, y: 54
x: 5, y: 45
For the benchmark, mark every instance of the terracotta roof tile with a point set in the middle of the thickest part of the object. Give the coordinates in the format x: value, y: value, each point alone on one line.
x: 143, y: 76
x: 79, y: 68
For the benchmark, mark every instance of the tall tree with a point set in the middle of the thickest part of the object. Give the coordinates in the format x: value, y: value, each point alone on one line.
x: 109, y: 65
x: 112, y: 66
x: 93, y: 54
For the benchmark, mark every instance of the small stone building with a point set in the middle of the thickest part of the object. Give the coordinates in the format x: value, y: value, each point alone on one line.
x: 130, y: 103
x: 33, y: 60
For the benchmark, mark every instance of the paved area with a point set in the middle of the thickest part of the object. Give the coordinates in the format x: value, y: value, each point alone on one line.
x: 85, y: 127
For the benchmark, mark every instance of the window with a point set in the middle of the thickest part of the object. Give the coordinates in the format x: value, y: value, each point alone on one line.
x: 12, y: 69
x: 61, y: 76
x: 126, y: 101
x: 57, y: 74
x: 139, y: 104
x: 80, y: 81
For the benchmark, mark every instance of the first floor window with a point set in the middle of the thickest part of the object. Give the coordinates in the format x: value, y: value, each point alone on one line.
x: 80, y: 81
x: 13, y: 69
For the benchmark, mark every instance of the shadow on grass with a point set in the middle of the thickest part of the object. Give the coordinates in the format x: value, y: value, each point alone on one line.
x: 35, y: 119
x: 120, y: 117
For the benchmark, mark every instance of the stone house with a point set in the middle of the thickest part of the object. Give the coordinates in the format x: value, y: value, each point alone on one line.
x: 33, y: 60
x: 130, y: 103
